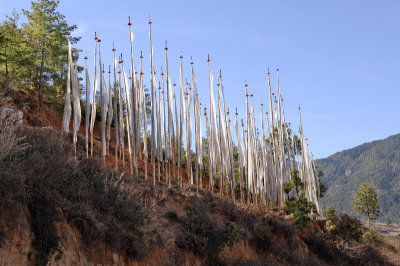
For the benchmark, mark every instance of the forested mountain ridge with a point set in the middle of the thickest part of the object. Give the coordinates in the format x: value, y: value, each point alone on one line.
x: 376, y: 162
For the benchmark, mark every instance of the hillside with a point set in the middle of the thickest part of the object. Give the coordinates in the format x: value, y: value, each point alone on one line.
x: 377, y: 163
x: 58, y: 211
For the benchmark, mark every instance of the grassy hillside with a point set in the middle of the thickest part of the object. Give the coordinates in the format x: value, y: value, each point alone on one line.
x: 377, y: 163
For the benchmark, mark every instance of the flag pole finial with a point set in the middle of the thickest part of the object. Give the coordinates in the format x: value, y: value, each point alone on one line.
x: 181, y: 56
x: 109, y: 69
x: 113, y: 49
x: 277, y: 68
x: 129, y: 22
x: 236, y: 112
x: 150, y: 19
x: 208, y: 58
x: 141, y: 55
x: 166, y: 47
x: 191, y: 60
x: 95, y: 36
x: 220, y: 74
x: 268, y: 72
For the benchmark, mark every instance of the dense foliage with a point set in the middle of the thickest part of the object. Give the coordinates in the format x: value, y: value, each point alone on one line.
x: 378, y: 164
x: 34, y: 53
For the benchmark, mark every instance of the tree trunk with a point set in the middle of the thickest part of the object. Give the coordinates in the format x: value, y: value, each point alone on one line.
x: 41, y: 83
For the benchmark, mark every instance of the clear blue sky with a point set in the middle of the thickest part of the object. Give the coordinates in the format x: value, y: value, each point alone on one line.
x: 339, y: 60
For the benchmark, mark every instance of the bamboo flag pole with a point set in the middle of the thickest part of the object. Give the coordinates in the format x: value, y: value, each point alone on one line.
x: 116, y: 125
x: 142, y: 115
x: 110, y: 111
x: 133, y: 112
x: 200, y: 141
x: 121, y: 115
x: 159, y: 136
x: 175, y: 142
x: 221, y: 142
x: 240, y: 157
x: 165, y: 159
x: 102, y: 107
x: 87, y: 109
x: 188, y: 135
x: 181, y: 121
x: 245, y: 186
x: 93, y: 115
x: 128, y: 110
x: 210, y: 162
x: 67, y: 106
x: 213, y: 121
x: 76, y: 102
x: 248, y: 156
x: 153, y: 126
x: 170, y: 118
x: 198, y: 138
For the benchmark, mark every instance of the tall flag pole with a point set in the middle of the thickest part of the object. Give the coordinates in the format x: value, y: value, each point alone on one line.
x: 198, y: 136
x: 116, y: 126
x: 248, y: 155
x: 67, y: 106
x: 170, y: 119
x: 222, y: 149
x: 87, y: 109
x: 188, y: 135
x: 76, y: 103
x: 165, y: 157
x: 102, y: 107
x: 93, y: 115
x: 153, y: 126
x: 175, y: 142
x: 110, y: 110
x: 213, y: 121
x: 182, y: 118
x: 143, y: 115
x: 240, y: 156
x: 210, y: 150
x: 159, y: 137
x: 133, y: 96
x: 121, y: 115
x: 128, y: 111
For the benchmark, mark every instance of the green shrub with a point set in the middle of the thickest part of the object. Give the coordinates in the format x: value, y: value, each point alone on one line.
x: 201, y: 234
x: 330, y: 215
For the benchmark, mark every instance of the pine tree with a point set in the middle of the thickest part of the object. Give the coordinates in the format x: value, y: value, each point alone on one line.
x: 45, y: 31
x: 12, y: 50
x: 366, y: 202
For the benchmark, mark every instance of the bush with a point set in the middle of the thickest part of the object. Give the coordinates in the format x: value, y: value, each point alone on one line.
x: 347, y: 227
x: 330, y: 215
x: 54, y: 187
x: 203, y: 236
x: 301, y: 209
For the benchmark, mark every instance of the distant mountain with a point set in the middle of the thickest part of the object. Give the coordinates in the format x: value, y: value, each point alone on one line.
x: 376, y: 162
